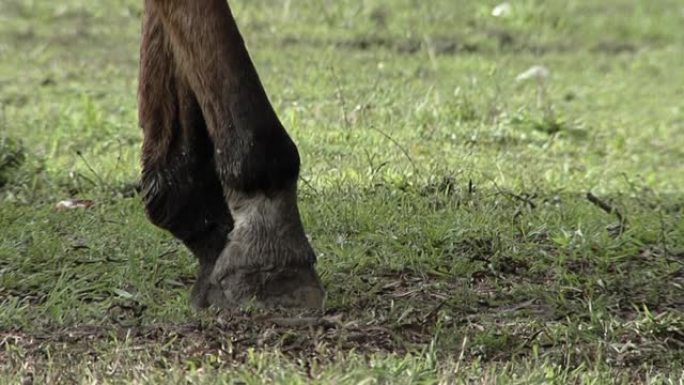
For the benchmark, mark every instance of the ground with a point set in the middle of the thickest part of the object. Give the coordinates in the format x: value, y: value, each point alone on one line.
x: 470, y: 227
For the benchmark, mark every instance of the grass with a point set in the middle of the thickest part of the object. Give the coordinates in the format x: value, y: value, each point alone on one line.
x: 447, y: 202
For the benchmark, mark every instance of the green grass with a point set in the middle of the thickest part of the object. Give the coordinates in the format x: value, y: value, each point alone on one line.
x: 447, y: 202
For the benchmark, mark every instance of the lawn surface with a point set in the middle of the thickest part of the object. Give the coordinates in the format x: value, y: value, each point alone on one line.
x: 470, y: 228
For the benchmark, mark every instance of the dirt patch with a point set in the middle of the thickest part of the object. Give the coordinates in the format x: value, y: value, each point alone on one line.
x: 229, y: 336
x: 440, y: 45
x: 614, y: 47
x: 398, y: 313
x: 489, y: 41
x: 392, y: 312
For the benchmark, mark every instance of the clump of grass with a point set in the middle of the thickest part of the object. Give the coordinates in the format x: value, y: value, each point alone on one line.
x: 546, y: 123
x: 12, y: 156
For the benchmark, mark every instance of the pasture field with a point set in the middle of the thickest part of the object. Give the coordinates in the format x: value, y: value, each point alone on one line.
x: 471, y: 228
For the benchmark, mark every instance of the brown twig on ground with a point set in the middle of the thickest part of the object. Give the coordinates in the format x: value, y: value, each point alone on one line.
x: 524, y: 198
x: 614, y: 230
